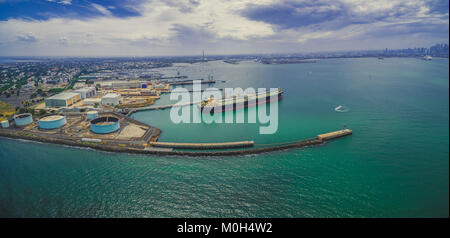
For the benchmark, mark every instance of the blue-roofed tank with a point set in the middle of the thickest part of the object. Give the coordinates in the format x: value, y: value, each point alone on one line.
x: 23, y: 119
x: 144, y: 85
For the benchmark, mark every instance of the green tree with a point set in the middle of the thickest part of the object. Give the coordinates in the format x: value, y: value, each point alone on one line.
x: 42, y: 112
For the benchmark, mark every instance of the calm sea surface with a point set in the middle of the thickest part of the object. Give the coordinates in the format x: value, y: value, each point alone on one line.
x: 396, y: 164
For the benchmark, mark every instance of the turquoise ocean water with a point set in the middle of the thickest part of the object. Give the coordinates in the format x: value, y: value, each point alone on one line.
x: 396, y: 164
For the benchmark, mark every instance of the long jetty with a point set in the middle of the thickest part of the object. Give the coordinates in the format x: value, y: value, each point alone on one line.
x: 160, y: 107
x: 223, y: 145
x: 318, y: 140
x: 185, y: 82
x: 203, y: 90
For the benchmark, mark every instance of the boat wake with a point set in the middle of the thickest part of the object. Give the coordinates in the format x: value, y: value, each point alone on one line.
x: 341, y: 108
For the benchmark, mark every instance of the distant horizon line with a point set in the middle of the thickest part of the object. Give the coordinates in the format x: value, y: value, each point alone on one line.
x: 206, y: 55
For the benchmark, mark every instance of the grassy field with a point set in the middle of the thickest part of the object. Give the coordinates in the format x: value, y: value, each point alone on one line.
x: 6, y: 110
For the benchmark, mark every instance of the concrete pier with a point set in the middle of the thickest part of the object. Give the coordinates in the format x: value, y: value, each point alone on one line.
x: 188, y: 82
x: 223, y: 145
x: 160, y: 107
x: 334, y: 134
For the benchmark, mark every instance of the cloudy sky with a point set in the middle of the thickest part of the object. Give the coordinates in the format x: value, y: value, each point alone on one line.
x: 185, y: 27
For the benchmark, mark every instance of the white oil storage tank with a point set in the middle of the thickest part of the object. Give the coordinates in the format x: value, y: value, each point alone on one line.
x: 5, y: 124
x: 52, y: 121
x: 23, y: 119
x: 92, y: 115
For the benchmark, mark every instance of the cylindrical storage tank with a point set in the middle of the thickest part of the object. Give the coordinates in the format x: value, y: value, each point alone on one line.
x: 23, y: 119
x: 105, y: 125
x: 52, y: 122
x: 5, y: 124
x: 92, y: 115
x: 144, y: 85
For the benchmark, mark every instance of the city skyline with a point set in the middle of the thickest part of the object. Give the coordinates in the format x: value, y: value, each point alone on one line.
x: 155, y: 28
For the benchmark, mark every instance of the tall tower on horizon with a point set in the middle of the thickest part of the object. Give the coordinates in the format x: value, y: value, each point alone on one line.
x: 203, y: 55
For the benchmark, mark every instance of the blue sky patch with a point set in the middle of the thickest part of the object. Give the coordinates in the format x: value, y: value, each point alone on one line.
x: 75, y: 9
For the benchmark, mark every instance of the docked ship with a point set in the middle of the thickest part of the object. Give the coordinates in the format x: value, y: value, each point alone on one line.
x: 212, y: 105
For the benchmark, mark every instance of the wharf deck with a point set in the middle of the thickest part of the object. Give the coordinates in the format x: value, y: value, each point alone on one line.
x: 161, y: 107
x: 334, y: 134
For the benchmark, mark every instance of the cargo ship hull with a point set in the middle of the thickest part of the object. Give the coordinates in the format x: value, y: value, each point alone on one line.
x: 240, y: 105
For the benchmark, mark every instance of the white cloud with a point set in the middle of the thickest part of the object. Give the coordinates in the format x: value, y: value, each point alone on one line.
x: 156, y: 31
x: 63, y: 2
x: 27, y: 37
x: 63, y: 40
x: 314, y: 35
x: 101, y: 9
x: 156, y: 22
x: 66, y: 2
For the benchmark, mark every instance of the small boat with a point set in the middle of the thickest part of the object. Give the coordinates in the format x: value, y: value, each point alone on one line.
x: 341, y: 108
x: 427, y: 57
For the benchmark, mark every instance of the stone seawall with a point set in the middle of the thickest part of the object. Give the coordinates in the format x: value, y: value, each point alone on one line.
x: 111, y: 148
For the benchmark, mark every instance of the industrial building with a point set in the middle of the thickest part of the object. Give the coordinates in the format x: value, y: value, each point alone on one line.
x: 23, y: 119
x: 86, y: 92
x: 52, y: 122
x: 111, y: 99
x: 137, y: 92
x: 62, y: 99
x: 148, y: 92
x: 92, y: 101
x: 105, y: 125
x: 159, y: 86
x: 126, y: 84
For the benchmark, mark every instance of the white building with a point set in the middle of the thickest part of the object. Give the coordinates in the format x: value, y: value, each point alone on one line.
x: 111, y: 99
x: 63, y: 99
x: 86, y: 92
x: 159, y: 86
x: 92, y: 101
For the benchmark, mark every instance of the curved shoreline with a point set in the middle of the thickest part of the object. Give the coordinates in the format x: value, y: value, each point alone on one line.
x: 300, y: 144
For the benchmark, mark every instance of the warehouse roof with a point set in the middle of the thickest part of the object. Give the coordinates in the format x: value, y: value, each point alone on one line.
x: 111, y: 95
x: 86, y: 89
x: 92, y: 100
x: 63, y: 96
